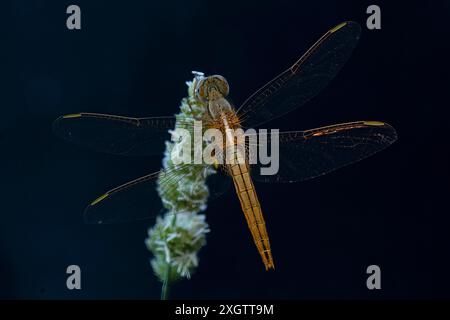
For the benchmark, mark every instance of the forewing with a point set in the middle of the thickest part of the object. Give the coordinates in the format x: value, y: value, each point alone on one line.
x: 116, y: 134
x: 305, y: 79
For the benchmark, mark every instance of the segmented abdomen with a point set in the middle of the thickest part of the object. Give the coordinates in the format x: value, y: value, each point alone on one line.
x: 252, y: 210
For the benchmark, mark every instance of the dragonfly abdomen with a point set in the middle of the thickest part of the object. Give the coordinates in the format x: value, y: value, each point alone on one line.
x: 252, y: 211
x: 239, y: 171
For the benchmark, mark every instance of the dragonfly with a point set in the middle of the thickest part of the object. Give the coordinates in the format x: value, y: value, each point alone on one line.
x: 302, y: 154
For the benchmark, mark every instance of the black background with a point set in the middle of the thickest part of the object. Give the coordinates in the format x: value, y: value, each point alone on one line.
x: 132, y: 58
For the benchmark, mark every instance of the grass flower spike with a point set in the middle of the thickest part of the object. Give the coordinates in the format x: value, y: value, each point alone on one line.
x: 177, y: 237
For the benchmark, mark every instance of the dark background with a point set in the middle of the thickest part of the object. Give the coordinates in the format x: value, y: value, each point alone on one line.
x: 132, y: 58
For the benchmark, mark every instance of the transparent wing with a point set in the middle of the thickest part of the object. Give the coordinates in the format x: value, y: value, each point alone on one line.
x: 305, y: 79
x: 139, y: 199
x: 115, y: 134
x: 307, y: 154
x: 218, y: 184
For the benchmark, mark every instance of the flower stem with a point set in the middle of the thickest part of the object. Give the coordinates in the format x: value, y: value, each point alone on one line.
x: 165, y: 285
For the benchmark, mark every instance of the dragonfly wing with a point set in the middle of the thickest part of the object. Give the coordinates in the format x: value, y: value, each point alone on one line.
x: 305, y: 79
x: 218, y: 183
x: 135, y: 200
x: 307, y: 154
x: 139, y: 199
x: 115, y: 134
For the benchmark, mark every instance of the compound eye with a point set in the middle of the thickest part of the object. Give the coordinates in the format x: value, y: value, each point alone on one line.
x: 221, y: 84
x: 200, y: 91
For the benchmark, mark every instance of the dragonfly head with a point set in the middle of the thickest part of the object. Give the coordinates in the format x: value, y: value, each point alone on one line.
x: 211, y: 88
x: 212, y: 91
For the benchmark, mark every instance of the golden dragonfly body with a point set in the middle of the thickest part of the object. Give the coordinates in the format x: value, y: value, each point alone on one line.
x: 221, y: 115
x: 302, y: 154
x: 252, y: 210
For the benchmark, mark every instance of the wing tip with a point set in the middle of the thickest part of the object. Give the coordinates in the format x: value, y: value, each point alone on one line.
x: 339, y: 26
x: 58, y: 121
x: 88, y: 218
x: 99, y: 199
x: 386, y: 126
x: 351, y: 24
x: 71, y: 115
x: 375, y: 123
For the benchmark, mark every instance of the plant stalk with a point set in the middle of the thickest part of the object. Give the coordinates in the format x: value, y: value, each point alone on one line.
x: 165, y: 286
